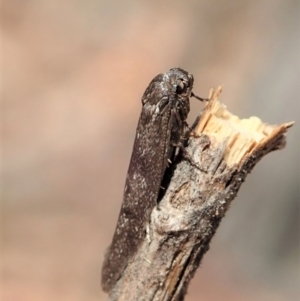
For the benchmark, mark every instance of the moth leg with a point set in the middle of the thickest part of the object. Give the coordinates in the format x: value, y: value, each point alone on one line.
x: 199, y: 98
x: 188, y: 157
x: 190, y: 130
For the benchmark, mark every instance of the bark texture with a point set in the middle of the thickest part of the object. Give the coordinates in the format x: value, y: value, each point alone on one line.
x: 223, y: 151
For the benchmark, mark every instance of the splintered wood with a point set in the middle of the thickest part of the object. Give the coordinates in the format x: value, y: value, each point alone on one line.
x: 244, y: 136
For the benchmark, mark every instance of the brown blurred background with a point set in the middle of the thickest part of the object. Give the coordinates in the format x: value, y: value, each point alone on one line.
x: 73, y: 76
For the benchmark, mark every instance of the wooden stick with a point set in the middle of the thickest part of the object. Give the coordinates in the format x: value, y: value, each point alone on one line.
x: 226, y: 149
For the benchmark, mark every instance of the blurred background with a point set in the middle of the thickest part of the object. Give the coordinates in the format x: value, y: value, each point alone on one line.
x: 73, y: 73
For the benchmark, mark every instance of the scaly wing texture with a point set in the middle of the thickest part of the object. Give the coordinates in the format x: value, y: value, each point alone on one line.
x: 159, y: 129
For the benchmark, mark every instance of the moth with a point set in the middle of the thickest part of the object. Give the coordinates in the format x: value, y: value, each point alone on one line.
x: 161, y: 126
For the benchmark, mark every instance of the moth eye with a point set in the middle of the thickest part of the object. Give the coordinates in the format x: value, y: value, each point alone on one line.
x: 181, y: 86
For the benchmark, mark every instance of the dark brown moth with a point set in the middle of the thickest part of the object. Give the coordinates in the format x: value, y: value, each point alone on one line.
x: 160, y: 130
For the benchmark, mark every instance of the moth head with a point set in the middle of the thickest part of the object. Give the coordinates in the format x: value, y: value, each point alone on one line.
x: 182, y: 81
